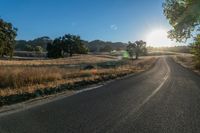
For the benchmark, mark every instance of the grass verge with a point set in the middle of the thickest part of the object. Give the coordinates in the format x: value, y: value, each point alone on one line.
x: 187, y: 61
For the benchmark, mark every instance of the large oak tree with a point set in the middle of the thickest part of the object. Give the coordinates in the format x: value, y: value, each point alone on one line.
x: 7, y: 38
x: 184, y: 17
x: 66, y: 45
x: 137, y: 48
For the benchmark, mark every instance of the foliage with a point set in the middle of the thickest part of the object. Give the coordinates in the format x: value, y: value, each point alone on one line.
x: 38, y: 49
x: 196, y: 50
x: 66, y: 45
x: 7, y: 38
x: 184, y: 16
x: 93, y: 46
x: 107, y: 48
x: 54, y: 49
x: 28, y: 47
x: 31, y: 45
x: 104, y: 46
x: 137, y: 48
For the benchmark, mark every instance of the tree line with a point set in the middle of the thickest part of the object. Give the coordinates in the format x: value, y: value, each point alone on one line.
x: 38, y: 44
x: 93, y: 46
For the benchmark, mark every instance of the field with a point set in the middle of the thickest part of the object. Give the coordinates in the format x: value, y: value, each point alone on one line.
x: 25, y: 79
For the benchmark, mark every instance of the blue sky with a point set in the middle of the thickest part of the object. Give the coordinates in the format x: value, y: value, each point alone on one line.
x: 110, y: 20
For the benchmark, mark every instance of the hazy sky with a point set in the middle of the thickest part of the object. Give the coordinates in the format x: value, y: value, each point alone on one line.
x: 111, y: 20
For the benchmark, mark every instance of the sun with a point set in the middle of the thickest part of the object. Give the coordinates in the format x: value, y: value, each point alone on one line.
x: 158, y: 38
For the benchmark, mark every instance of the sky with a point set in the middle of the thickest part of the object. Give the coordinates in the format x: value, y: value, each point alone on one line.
x: 108, y: 20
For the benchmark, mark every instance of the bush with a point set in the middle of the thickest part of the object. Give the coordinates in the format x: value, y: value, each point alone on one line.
x: 196, y: 51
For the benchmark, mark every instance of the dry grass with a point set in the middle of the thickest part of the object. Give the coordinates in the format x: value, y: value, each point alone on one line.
x: 18, y: 80
x: 81, y: 59
x: 186, y: 60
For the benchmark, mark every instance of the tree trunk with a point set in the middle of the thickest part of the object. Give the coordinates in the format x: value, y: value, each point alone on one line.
x: 136, y: 56
x: 70, y: 54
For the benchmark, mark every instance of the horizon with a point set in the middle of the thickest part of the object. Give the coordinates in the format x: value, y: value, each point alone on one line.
x: 112, y: 42
x: 92, y: 20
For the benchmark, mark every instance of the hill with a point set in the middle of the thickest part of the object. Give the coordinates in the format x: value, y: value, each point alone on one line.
x: 104, y: 46
x: 93, y: 46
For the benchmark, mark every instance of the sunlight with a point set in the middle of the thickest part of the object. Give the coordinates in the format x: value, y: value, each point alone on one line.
x: 158, y: 38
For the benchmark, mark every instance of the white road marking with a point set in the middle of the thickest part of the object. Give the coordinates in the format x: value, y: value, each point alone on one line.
x: 145, y: 101
x: 159, y: 87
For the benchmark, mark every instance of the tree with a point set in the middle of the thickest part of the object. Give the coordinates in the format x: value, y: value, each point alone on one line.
x: 107, y: 48
x: 137, y: 48
x: 196, y: 50
x: 184, y: 16
x: 7, y: 38
x: 41, y: 41
x: 28, y: 47
x: 55, y: 49
x: 38, y: 49
x: 66, y: 45
x: 71, y: 44
x: 81, y: 49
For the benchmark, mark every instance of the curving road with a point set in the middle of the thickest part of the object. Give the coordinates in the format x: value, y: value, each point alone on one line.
x: 165, y: 99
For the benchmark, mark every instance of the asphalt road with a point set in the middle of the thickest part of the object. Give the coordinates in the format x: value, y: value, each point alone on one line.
x: 165, y: 99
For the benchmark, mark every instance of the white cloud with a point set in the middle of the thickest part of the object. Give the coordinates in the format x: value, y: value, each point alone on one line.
x: 113, y: 27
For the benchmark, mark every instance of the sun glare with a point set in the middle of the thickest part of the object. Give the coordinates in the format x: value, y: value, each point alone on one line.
x: 158, y: 38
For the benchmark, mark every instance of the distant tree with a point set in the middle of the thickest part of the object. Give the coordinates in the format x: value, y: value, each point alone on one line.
x: 20, y: 45
x: 107, y: 48
x: 196, y: 50
x: 102, y: 46
x: 66, y: 45
x: 50, y: 50
x: 28, y: 48
x: 55, y: 49
x: 137, y: 48
x: 72, y: 44
x: 130, y: 49
x: 7, y: 38
x: 41, y: 41
x: 184, y: 16
x: 38, y: 49
x: 81, y: 48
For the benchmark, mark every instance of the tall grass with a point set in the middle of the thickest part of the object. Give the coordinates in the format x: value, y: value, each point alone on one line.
x: 21, y: 79
x: 14, y: 77
x: 81, y: 59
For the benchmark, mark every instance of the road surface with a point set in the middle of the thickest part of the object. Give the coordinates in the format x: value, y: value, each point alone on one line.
x: 165, y: 99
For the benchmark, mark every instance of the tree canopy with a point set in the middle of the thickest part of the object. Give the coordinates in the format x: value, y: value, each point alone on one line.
x: 137, y: 48
x: 7, y: 38
x: 32, y: 45
x: 66, y: 45
x: 184, y: 17
x: 196, y: 50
